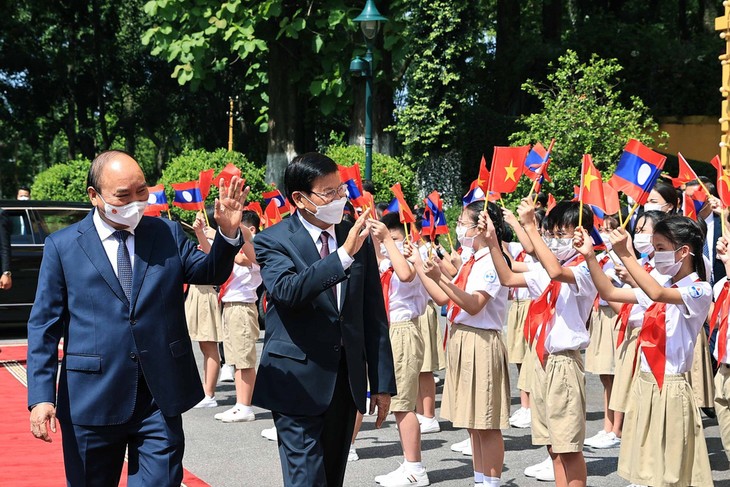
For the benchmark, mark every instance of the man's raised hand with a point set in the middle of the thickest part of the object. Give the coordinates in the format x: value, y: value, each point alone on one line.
x: 229, y: 205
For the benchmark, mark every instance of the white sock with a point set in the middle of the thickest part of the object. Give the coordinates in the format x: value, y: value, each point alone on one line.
x: 209, y: 397
x: 478, y: 477
x: 413, y: 467
x: 243, y: 408
x: 491, y: 481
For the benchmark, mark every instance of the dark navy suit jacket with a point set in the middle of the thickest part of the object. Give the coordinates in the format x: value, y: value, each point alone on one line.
x: 107, y: 339
x: 305, y: 330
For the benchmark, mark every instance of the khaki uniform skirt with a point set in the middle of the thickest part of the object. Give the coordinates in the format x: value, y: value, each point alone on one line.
x: 476, y: 390
x: 663, y: 443
x: 516, y: 344
x: 601, y: 351
x: 428, y: 322
x: 203, y: 314
x: 626, y: 369
x: 700, y: 375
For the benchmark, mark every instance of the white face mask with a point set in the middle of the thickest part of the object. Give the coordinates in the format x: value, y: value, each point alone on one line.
x: 606, y: 240
x: 23, y: 198
x: 465, y: 241
x: 562, y: 248
x: 398, y: 245
x: 128, y: 215
x: 331, y: 213
x: 642, y: 242
x: 665, y: 264
x: 653, y: 207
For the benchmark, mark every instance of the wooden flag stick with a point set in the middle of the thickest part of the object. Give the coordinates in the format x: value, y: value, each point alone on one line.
x: 628, y: 217
x: 451, y: 242
x: 168, y: 214
x: 580, y: 193
x: 205, y: 214
x: 620, y: 218
x: 408, y: 232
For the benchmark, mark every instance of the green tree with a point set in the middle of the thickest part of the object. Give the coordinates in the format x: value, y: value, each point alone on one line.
x: 582, y: 110
x: 63, y: 182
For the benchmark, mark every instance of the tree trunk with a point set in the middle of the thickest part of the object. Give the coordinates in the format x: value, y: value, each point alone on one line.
x: 706, y: 12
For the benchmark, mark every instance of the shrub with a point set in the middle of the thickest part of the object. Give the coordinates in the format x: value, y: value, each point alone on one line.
x: 63, y: 182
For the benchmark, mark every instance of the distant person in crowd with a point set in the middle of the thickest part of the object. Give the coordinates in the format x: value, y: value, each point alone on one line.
x: 111, y: 286
x: 6, y: 278
x: 23, y: 193
x: 368, y: 186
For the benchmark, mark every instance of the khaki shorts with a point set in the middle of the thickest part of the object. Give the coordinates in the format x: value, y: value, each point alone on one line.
x: 240, y: 333
x: 601, y: 351
x: 558, y: 403
x: 527, y: 370
x: 517, y: 346
x: 407, y: 345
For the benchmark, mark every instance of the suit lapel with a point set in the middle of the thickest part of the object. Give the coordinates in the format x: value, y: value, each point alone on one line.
x: 91, y: 245
x: 144, y: 241
x: 303, y: 243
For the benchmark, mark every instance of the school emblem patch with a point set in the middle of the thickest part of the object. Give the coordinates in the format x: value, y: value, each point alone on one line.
x: 490, y: 276
x: 696, y: 291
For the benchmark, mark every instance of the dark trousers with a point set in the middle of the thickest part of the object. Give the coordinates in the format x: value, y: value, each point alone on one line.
x: 94, y: 455
x: 313, y: 449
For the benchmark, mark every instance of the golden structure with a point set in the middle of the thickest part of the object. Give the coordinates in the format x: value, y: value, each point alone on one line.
x: 722, y: 24
x: 230, y: 124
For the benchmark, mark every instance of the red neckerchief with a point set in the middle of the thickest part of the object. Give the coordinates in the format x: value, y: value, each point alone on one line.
x: 542, y: 312
x: 722, y: 309
x: 623, y: 315
x: 520, y: 258
x: 385, y: 280
x: 224, y: 287
x: 601, y: 263
x: 461, y: 278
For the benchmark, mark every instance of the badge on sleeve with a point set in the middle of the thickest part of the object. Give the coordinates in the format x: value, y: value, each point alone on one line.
x: 490, y: 276
x: 696, y: 291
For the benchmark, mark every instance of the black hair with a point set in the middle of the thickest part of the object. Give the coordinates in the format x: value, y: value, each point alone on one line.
x: 565, y: 215
x: 93, y: 177
x: 251, y: 219
x: 542, y: 198
x: 611, y: 221
x: 709, y: 184
x: 368, y: 185
x: 392, y: 222
x: 655, y: 216
x: 24, y: 188
x: 668, y: 194
x: 681, y: 230
x: 210, y: 211
x: 348, y: 213
x: 472, y: 211
x: 540, y: 215
x: 303, y: 170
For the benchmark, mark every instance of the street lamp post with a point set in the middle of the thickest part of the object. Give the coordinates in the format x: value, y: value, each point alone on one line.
x: 369, y: 20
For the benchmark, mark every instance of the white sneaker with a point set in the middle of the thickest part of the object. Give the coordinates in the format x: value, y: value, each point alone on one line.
x: 429, y: 425
x: 401, y: 478
x: 226, y: 374
x: 351, y: 456
x: 467, y: 451
x: 590, y: 441
x: 459, y: 447
x: 609, y: 440
x: 270, y: 433
x: 235, y: 415
x: 533, y: 470
x: 436, y: 379
x: 207, y: 402
x: 546, y: 475
x: 522, y: 418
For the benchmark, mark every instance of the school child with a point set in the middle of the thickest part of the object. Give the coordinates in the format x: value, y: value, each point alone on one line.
x: 203, y: 315
x: 476, y: 389
x: 405, y: 300
x: 663, y: 443
x: 240, y: 322
x: 563, y: 296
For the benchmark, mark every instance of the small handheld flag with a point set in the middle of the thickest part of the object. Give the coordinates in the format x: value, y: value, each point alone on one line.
x: 351, y: 177
x: 406, y: 215
x: 205, y: 180
x: 637, y: 171
x: 187, y: 196
x: 227, y: 173
x: 157, y: 200
x: 507, y: 166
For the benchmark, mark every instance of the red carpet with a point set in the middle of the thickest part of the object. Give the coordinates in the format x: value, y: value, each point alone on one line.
x: 26, y: 461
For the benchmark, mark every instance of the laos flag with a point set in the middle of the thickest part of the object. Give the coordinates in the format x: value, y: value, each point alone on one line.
x: 188, y: 196
x: 157, y: 201
x: 637, y: 171
x: 278, y: 199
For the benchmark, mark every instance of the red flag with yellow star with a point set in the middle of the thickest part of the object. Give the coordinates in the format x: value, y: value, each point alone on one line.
x: 688, y: 208
x: 483, y: 177
x: 507, y: 166
x: 723, y: 182
x: 591, y: 184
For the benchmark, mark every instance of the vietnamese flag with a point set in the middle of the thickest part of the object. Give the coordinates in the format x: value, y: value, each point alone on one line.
x: 551, y: 203
x: 255, y: 206
x: 613, y: 205
x: 415, y: 234
x: 507, y: 166
x: 227, y: 174
x: 723, y: 182
x: 272, y: 214
x: 689, y: 209
x: 369, y: 203
x: 406, y: 215
x: 591, y: 184
x: 205, y: 179
x: 686, y: 173
x: 482, y: 180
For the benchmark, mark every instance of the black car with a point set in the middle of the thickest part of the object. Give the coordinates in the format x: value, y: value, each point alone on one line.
x: 31, y: 222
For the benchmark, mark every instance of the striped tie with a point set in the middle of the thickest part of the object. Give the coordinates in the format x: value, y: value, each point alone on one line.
x: 124, y: 264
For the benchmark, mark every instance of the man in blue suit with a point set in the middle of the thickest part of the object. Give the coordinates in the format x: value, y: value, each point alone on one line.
x: 112, y: 287
x: 326, y: 326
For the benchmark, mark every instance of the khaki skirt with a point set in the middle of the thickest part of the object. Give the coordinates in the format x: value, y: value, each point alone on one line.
x: 700, y: 375
x: 203, y: 314
x: 601, y: 351
x: 476, y: 389
x: 516, y: 344
x: 663, y: 443
x: 626, y: 369
x: 428, y: 322
x: 527, y: 371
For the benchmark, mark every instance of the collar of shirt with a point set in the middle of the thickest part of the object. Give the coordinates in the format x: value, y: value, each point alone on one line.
x: 103, y: 228
x: 314, y: 231
x: 481, y: 253
x: 684, y: 282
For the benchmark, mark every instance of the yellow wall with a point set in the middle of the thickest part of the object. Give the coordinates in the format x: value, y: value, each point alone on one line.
x: 696, y: 137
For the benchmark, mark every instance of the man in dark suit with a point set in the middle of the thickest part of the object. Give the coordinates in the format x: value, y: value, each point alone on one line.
x: 326, y: 326
x: 6, y: 276
x: 112, y: 287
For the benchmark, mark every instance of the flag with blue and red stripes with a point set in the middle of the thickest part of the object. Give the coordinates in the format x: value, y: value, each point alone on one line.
x: 188, y: 196
x: 637, y: 171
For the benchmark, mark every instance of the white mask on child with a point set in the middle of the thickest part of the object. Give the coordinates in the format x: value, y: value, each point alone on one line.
x: 642, y: 242
x: 665, y: 264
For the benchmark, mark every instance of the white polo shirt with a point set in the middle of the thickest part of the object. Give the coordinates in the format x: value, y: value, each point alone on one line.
x: 242, y: 287
x: 683, y: 322
x: 515, y: 249
x: 483, y: 277
x: 406, y: 300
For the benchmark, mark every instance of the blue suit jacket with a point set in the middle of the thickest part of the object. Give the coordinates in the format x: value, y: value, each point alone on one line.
x: 305, y: 330
x: 106, y: 339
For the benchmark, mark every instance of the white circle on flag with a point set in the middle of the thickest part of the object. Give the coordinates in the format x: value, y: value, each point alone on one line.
x: 152, y: 199
x: 188, y: 196
x: 478, y: 193
x: 278, y: 202
x: 644, y: 173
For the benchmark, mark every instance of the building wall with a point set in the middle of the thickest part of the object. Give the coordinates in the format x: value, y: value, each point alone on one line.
x: 696, y: 137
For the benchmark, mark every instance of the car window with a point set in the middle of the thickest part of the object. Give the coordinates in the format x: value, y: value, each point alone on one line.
x: 20, y: 230
x: 53, y: 219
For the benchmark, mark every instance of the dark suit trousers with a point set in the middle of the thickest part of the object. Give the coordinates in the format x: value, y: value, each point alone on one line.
x: 313, y: 449
x: 94, y: 455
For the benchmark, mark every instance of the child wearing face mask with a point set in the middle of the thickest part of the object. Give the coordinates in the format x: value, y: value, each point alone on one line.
x: 476, y: 389
x: 663, y: 442
x: 405, y: 300
x: 563, y: 296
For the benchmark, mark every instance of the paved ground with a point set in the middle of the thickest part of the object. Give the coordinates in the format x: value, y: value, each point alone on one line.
x: 235, y: 455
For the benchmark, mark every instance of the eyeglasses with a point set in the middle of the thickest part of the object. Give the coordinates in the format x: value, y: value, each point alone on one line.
x: 340, y: 190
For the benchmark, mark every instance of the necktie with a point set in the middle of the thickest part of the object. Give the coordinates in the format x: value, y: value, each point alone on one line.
x: 706, y: 249
x: 324, y: 251
x: 124, y: 264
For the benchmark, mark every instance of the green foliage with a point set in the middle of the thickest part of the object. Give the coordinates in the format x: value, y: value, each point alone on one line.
x: 386, y: 171
x: 581, y: 109
x: 187, y: 167
x: 63, y: 182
